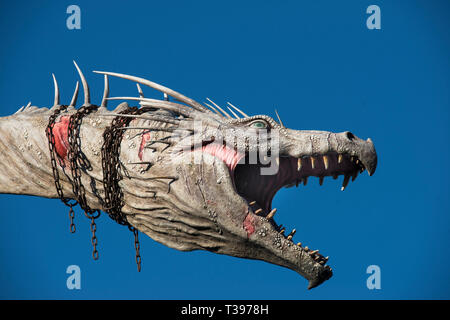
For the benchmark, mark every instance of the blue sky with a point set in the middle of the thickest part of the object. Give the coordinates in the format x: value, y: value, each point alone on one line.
x: 319, y: 65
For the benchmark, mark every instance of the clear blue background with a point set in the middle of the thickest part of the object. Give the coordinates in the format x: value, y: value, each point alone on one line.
x: 318, y: 64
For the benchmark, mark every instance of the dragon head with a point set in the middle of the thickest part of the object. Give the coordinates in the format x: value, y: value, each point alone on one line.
x: 201, y: 177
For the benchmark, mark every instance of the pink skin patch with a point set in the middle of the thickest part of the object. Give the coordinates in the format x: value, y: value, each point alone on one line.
x: 144, y: 140
x: 60, y: 132
x: 231, y: 158
x: 249, y: 224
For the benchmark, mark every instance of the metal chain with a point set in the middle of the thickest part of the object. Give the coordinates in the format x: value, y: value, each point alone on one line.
x: 113, y: 202
x: 53, y: 155
x: 111, y: 166
x: 77, y: 162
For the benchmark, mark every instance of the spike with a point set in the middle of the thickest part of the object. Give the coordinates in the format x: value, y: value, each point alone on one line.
x: 306, y: 248
x: 28, y: 105
x: 291, y: 234
x: 75, y: 95
x: 299, y: 164
x: 299, y: 244
x: 258, y: 211
x: 238, y: 110
x: 252, y: 203
x: 234, y: 113
x: 314, y: 252
x: 345, y: 182
x: 56, y: 100
x: 223, y: 111
x: 178, y: 108
x: 20, y: 109
x: 282, y: 231
x: 141, y: 94
x: 105, y: 92
x: 271, y: 213
x: 213, y: 109
x: 325, y: 162
x: 178, y: 96
x: 87, y: 99
x: 279, y: 119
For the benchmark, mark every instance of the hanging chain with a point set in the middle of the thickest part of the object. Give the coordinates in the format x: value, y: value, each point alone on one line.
x: 53, y: 155
x: 78, y: 161
x: 137, y: 247
x: 111, y: 166
x: 113, y: 202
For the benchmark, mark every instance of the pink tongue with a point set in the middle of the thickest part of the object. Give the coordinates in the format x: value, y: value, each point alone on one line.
x: 230, y: 156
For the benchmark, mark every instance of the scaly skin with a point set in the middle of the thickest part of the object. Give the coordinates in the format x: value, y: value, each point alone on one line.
x: 184, y: 185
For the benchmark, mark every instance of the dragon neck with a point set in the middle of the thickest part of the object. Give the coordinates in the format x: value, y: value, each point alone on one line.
x: 25, y: 161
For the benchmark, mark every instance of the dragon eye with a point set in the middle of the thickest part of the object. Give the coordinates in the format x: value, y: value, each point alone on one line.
x: 258, y: 124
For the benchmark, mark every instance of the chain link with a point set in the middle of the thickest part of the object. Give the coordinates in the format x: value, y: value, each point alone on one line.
x: 53, y: 156
x: 111, y: 166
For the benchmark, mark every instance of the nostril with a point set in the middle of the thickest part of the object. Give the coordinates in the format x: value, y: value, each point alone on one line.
x: 349, y: 135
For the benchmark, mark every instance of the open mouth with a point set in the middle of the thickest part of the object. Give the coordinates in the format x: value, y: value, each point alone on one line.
x: 259, y: 189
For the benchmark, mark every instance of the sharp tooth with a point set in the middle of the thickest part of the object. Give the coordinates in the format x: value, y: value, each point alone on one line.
x: 357, y: 161
x: 361, y: 170
x: 282, y: 230
x: 252, y: 203
x: 326, y: 258
x: 299, y: 244
x: 355, y: 174
x: 340, y: 157
x: 345, y: 183
x: 305, y: 181
x: 306, y: 248
x: 322, y: 262
x: 313, y: 162
x: 258, y: 211
x: 289, y: 237
x: 321, y: 180
x: 271, y: 213
x: 314, y: 252
x: 325, y: 162
x: 299, y: 164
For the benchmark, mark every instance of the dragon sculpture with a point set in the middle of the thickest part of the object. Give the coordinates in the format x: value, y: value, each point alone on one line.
x: 189, y: 175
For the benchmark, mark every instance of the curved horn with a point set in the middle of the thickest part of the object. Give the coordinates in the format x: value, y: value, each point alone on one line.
x: 56, y: 100
x: 75, y: 95
x: 105, y: 92
x: 178, y: 96
x: 87, y: 99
